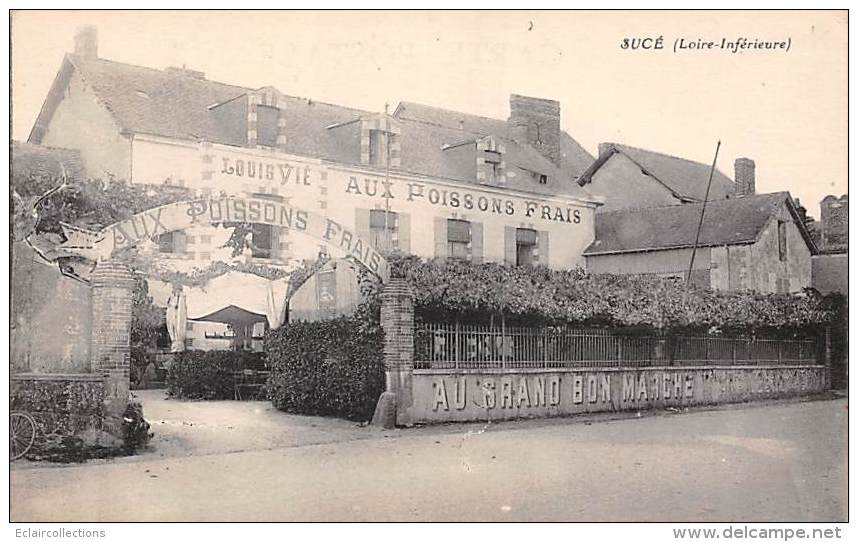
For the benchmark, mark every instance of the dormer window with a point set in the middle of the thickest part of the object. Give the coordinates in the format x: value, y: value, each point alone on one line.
x: 493, y: 161
x: 490, y: 161
x: 379, y: 147
x: 266, y: 125
x: 493, y: 157
x: 266, y: 117
x: 543, y: 179
x: 379, y: 141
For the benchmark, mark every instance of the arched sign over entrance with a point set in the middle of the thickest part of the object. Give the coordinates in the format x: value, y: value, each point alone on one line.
x: 184, y: 214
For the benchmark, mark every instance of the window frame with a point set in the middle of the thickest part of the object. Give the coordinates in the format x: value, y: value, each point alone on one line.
x: 256, y: 251
x: 527, y: 244
x: 263, y: 128
x: 457, y: 247
x: 782, y: 240
x: 383, y: 237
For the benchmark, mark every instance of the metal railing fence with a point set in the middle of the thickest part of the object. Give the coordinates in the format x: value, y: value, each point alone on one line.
x: 458, y: 346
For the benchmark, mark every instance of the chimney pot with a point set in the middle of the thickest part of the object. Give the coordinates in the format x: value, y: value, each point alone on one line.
x: 86, y: 43
x: 745, y: 177
x: 605, y: 148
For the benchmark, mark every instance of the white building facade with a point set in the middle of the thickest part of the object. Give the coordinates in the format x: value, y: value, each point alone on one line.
x: 422, y: 180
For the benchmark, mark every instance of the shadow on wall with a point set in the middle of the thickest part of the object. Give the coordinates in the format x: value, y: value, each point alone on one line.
x: 51, y: 317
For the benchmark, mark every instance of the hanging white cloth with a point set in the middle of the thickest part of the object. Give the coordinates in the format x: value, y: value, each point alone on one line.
x: 244, y: 290
x: 177, y: 320
x: 276, y: 306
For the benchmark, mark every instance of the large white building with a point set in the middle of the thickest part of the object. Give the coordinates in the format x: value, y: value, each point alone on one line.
x: 423, y: 180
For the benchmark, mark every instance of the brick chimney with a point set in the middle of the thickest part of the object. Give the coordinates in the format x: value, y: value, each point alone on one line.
x: 536, y: 121
x: 745, y: 177
x: 86, y: 43
x: 834, y: 217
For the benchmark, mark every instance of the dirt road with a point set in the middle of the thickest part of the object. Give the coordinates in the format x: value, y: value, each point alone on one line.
x: 779, y: 462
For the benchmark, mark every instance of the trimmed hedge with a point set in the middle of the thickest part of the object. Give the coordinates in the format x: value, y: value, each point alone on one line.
x: 328, y: 368
x: 200, y: 374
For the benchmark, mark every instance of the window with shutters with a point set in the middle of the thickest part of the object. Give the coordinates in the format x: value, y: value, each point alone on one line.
x: 458, y: 238
x: 383, y: 229
x: 260, y: 241
x: 782, y: 241
x: 525, y: 246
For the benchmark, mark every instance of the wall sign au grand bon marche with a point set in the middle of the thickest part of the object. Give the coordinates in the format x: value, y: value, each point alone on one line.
x: 289, y: 174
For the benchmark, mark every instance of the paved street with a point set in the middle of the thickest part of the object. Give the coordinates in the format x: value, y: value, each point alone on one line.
x: 784, y: 461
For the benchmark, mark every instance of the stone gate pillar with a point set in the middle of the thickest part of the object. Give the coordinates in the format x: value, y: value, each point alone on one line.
x: 397, y: 320
x: 110, y: 349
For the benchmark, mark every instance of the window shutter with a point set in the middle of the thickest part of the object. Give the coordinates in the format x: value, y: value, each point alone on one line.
x: 275, y: 242
x: 404, y: 233
x: 180, y: 245
x: 165, y: 243
x: 362, y: 223
x: 543, y: 245
x: 476, y: 242
x: 509, y: 245
x: 440, y: 237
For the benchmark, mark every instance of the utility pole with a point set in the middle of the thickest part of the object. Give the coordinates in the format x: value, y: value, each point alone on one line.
x: 700, y: 223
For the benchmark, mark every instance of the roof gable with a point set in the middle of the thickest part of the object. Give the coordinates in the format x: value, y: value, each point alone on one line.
x: 686, y: 179
x: 726, y: 222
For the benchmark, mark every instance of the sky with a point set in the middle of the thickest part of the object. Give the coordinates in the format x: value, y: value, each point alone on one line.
x: 787, y: 110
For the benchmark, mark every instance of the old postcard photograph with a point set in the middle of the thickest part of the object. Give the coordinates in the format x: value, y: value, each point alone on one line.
x: 429, y: 266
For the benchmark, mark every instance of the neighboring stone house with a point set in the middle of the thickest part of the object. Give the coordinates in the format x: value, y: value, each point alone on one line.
x: 423, y: 180
x: 631, y: 178
x: 831, y: 265
x: 754, y: 242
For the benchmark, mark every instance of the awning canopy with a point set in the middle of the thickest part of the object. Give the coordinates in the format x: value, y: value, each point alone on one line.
x: 235, y: 291
x: 232, y: 315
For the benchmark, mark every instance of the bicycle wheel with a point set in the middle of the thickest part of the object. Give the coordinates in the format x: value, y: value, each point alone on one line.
x: 22, y: 434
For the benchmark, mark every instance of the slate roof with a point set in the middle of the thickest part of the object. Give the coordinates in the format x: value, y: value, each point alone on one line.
x: 575, y: 158
x: 726, y: 222
x: 687, y: 179
x: 36, y: 160
x: 176, y: 104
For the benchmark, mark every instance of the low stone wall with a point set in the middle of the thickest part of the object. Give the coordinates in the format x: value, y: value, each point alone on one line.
x: 63, y: 405
x: 470, y: 395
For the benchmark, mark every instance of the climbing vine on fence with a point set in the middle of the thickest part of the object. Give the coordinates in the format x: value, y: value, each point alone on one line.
x: 461, y: 288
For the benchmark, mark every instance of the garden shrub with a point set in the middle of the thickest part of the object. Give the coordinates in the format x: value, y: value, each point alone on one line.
x: 200, y: 374
x: 327, y: 368
x: 71, y: 422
